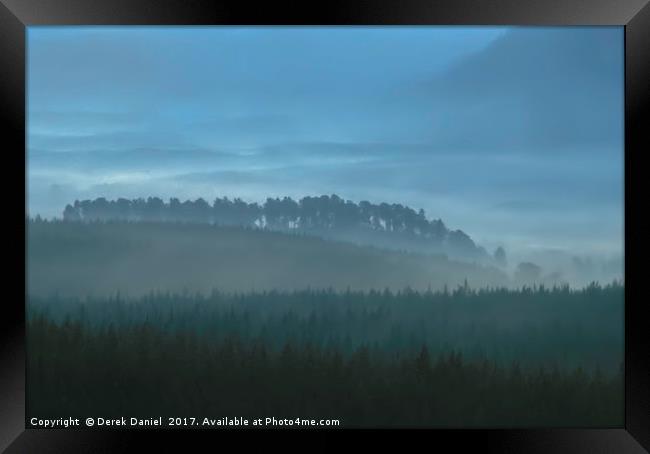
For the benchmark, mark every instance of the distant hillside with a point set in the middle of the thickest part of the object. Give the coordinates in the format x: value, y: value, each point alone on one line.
x: 392, y: 226
x: 82, y: 258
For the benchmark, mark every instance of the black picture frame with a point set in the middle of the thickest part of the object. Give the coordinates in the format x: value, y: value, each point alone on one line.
x: 634, y: 15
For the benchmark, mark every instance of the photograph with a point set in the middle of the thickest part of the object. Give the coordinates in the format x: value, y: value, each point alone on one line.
x: 331, y: 227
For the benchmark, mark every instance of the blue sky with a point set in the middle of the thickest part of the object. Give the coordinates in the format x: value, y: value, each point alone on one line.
x: 514, y: 135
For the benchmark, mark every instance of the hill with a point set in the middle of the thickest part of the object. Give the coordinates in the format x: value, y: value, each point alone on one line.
x: 392, y: 226
x: 95, y: 258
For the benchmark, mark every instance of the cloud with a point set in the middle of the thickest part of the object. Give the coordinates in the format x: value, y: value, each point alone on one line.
x: 232, y: 178
x: 533, y: 89
x: 506, y: 133
x: 78, y: 122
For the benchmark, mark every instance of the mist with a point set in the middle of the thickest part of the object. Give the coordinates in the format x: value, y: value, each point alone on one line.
x: 394, y: 226
x: 479, y: 136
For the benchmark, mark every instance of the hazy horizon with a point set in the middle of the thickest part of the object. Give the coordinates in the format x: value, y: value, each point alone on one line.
x: 512, y: 134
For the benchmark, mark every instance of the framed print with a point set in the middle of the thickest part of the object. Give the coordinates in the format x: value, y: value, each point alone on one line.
x: 329, y: 218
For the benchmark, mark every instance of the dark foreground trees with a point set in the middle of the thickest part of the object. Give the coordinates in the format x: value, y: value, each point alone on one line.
x: 559, y: 326
x: 142, y: 371
x: 547, y: 357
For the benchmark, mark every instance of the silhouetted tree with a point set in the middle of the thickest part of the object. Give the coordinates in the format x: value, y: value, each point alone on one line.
x: 70, y: 214
x: 500, y: 257
x: 324, y: 215
x: 527, y: 273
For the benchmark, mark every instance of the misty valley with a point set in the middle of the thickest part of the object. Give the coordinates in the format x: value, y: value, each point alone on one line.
x: 373, y: 314
x: 379, y: 226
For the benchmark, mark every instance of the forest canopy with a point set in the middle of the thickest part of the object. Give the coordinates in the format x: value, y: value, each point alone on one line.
x: 395, y: 226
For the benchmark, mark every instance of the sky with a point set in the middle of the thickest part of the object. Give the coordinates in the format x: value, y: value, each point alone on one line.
x: 512, y: 134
